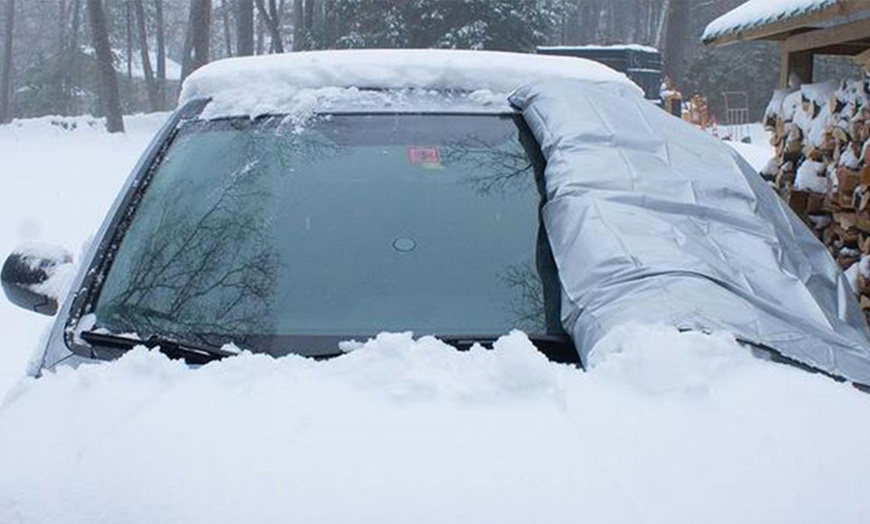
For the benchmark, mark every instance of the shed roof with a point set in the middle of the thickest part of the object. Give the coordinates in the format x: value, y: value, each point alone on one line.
x: 778, y: 19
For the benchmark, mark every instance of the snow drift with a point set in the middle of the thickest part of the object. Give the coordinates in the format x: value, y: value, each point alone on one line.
x: 667, y: 427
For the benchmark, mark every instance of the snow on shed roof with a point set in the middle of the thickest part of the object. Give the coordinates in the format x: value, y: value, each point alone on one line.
x: 755, y: 13
x: 263, y: 84
x: 615, y: 47
x: 173, y: 68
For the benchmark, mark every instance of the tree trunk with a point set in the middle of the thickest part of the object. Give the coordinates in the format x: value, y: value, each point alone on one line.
x: 572, y: 25
x: 318, y: 26
x: 147, y: 72
x: 272, y: 24
x: 625, y: 14
x: 108, y: 81
x: 6, y: 72
x: 61, y: 27
x: 310, y: 7
x: 129, y: 20
x: 200, y: 22
x: 614, y: 32
x: 330, y: 22
x: 675, y: 40
x: 71, y: 54
x: 161, y: 56
x: 260, y: 35
x: 186, y: 59
x: 61, y: 56
x: 196, y: 38
x: 298, y: 24
x: 660, y: 25
x: 225, y: 19
x: 245, y: 27
x: 589, y: 22
x: 640, y: 35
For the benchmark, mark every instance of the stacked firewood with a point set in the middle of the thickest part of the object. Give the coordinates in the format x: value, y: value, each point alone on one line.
x: 822, y: 168
x: 696, y: 112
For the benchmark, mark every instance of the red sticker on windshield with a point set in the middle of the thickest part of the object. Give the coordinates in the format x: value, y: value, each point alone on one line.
x: 424, y: 156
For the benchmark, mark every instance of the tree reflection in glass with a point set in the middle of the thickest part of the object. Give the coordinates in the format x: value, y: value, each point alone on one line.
x: 354, y: 224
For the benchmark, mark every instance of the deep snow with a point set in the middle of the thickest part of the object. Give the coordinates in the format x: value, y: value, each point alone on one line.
x: 667, y: 427
x: 59, y: 178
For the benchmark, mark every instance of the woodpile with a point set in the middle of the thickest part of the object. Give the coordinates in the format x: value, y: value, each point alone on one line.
x: 672, y: 100
x: 822, y: 168
x: 696, y: 112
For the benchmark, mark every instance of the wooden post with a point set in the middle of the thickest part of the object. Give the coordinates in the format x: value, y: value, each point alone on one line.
x: 798, y: 62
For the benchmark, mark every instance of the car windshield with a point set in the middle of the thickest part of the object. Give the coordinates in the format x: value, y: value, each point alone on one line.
x: 286, y: 238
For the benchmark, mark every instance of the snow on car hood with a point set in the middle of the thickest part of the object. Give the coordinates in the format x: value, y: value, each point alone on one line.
x: 279, y: 84
x: 668, y: 427
x: 651, y: 220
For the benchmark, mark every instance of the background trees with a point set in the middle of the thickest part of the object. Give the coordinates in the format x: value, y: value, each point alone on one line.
x: 108, y: 93
x: 244, y: 15
x: 50, y: 63
x: 6, y: 67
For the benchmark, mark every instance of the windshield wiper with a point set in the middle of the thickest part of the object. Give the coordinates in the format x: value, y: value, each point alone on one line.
x: 175, y: 349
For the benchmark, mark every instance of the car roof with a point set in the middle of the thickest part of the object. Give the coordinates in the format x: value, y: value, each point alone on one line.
x: 375, y: 79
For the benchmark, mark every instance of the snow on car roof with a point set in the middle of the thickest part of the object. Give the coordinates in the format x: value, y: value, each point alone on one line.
x: 755, y: 13
x: 285, y: 82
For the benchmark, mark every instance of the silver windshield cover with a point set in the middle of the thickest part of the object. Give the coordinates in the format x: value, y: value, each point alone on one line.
x: 653, y: 221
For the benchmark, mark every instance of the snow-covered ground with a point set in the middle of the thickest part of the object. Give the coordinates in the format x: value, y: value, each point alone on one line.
x: 667, y: 427
x: 757, y: 150
x: 57, y: 185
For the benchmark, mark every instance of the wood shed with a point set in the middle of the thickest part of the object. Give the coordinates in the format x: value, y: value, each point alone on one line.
x: 820, y: 130
x: 803, y: 29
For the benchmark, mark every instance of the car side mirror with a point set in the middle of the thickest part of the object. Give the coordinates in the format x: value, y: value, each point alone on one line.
x: 36, y: 277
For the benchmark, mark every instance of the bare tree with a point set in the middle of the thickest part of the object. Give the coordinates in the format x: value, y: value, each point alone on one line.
x: 660, y: 25
x: 161, y: 55
x: 308, y: 19
x: 330, y: 20
x: 675, y: 39
x: 260, y: 35
x: 273, y: 23
x: 61, y: 27
x: 225, y: 20
x: 128, y: 18
x: 245, y: 27
x: 6, y: 80
x: 69, y: 57
x: 200, y: 22
x: 196, y: 41
x: 111, y: 102
x: 147, y: 72
x: 298, y: 24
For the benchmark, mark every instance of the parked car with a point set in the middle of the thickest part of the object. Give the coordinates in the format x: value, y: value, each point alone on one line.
x: 296, y: 201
